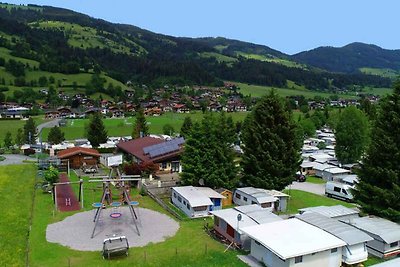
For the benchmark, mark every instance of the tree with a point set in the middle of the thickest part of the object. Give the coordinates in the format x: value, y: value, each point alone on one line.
x: 56, y: 136
x: 352, y: 132
x: 308, y: 127
x: 186, y: 126
x: 96, y: 132
x: 168, y: 129
x: 271, y: 145
x: 140, y: 128
x: 30, y: 131
x: 51, y: 175
x: 19, y: 138
x: 208, y: 153
x: 8, y: 140
x: 378, y: 190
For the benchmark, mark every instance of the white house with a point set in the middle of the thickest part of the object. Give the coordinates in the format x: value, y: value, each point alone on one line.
x: 250, y: 195
x: 386, y: 235
x: 227, y: 225
x: 196, y: 201
x: 337, y: 212
x: 293, y: 242
x: 355, y: 250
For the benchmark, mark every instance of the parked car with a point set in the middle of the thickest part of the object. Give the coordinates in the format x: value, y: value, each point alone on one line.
x: 339, y: 190
x: 300, y: 177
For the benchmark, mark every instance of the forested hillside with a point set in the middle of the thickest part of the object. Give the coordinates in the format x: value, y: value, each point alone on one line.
x: 57, y: 44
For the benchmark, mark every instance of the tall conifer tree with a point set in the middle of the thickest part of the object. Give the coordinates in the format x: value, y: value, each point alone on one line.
x: 271, y: 146
x: 208, y: 154
x: 378, y: 191
x: 96, y: 131
x: 140, y: 127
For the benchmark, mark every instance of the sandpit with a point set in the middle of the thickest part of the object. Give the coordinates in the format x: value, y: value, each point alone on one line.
x: 75, y: 231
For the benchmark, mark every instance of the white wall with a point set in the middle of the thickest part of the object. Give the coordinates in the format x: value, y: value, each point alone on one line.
x: 182, y: 205
x: 323, y: 258
x: 249, y: 201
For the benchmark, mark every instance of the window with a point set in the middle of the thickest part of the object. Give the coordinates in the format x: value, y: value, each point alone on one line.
x: 258, y: 243
x: 334, y: 250
x: 174, y: 195
x: 266, y: 205
x: 253, y: 202
x: 344, y: 191
x: 201, y: 208
x: 394, y: 244
x: 336, y: 189
x: 298, y: 259
x: 179, y: 199
x: 245, y: 198
x: 237, y: 195
x: 184, y: 202
x: 188, y: 206
x: 164, y: 165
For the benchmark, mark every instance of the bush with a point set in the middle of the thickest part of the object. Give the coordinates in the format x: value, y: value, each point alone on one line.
x: 29, y: 151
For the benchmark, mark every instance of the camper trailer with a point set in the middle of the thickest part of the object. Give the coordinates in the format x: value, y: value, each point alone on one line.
x: 338, y: 190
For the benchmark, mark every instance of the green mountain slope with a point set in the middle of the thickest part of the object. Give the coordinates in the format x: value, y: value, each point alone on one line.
x: 44, y: 40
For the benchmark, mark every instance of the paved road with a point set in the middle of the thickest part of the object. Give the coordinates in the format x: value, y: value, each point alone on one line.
x: 13, y: 159
x: 318, y: 189
x: 48, y: 124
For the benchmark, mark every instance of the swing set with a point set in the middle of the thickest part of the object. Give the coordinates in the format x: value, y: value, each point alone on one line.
x: 122, y: 183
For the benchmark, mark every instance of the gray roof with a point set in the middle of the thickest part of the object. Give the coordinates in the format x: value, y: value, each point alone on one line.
x: 384, y: 229
x: 347, y: 233
x: 258, y: 214
x: 332, y: 211
x: 259, y: 194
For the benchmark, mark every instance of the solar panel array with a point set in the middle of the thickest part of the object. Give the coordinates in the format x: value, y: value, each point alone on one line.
x: 164, y: 148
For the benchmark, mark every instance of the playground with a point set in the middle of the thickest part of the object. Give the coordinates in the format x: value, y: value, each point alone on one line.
x: 74, y: 231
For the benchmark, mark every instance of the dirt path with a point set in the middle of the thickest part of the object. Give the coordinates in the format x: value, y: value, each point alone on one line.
x: 66, y: 199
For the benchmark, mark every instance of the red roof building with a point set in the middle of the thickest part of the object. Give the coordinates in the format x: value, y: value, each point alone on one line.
x: 79, y: 156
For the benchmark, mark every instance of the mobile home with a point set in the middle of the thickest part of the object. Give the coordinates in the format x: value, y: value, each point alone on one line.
x: 293, y: 242
x: 250, y: 195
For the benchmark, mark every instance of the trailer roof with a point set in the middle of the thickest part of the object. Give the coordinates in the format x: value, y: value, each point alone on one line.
x: 331, y: 211
x: 347, y: 233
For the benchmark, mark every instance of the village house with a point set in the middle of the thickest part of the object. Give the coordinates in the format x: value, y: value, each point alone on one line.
x: 293, y: 242
x: 154, y: 150
x: 196, y: 201
x: 79, y: 156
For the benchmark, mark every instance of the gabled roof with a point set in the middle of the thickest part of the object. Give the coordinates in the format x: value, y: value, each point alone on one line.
x: 293, y: 237
x: 385, y: 230
x: 209, y: 192
x: 347, y: 233
x: 77, y: 150
x: 135, y: 146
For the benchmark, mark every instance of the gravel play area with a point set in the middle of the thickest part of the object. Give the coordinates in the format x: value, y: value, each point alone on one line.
x: 75, y: 231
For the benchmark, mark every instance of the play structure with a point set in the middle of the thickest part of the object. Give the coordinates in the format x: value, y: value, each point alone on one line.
x: 115, y: 246
x: 121, y: 183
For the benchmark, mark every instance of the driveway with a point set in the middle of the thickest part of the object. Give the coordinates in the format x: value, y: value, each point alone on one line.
x: 13, y: 159
x: 318, y: 189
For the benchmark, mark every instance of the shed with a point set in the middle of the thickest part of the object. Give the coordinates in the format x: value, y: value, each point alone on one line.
x: 355, y: 250
x: 283, y: 199
x: 251, y: 195
x: 227, y: 225
x: 196, y: 201
x: 386, y: 235
x: 79, y: 156
x: 337, y: 212
x: 282, y: 244
x: 228, y: 194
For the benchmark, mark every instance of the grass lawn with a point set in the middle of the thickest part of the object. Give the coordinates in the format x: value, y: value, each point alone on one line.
x: 389, y: 73
x: 191, y: 246
x: 13, y: 126
x: 372, y: 261
x: 123, y: 127
x: 301, y: 199
x: 16, y: 189
x: 258, y: 91
x: 315, y: 180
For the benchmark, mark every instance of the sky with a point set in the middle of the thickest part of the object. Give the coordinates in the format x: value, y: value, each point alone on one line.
x: 290, y: 26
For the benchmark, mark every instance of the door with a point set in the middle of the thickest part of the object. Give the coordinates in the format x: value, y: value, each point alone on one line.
x: 230, y: 231
x: 175, y: 166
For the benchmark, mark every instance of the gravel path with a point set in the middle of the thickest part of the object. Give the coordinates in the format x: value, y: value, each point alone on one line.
x: 75, y: 231
x: 318, y: 189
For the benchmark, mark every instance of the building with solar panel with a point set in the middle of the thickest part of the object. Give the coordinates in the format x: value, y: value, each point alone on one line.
x: 154, y: 150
